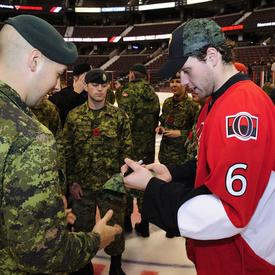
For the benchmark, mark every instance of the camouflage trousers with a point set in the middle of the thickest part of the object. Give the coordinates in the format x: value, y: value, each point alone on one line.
x: 85, y: 211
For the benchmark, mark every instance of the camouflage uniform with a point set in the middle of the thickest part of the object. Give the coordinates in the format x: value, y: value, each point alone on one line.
x: 32, y: 218
x: 46, y: 112
x: 176, y: 115
x: 141, y: 104
x: 95, y: 144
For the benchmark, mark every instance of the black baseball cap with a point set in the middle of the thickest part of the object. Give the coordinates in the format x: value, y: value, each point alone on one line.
x: 189, y: 38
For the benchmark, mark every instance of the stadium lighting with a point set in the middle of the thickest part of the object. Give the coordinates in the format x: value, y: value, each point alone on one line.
x: 28, y: 8
x: 268, y: 24
x: 55, y: 9
x: 232, y: 28
x: 157, y: 6
x: 3, y: 6
x: 191, y: 2
x: 87, y: 10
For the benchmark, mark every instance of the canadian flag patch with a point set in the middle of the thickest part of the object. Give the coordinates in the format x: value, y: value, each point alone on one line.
x: 243, y: 126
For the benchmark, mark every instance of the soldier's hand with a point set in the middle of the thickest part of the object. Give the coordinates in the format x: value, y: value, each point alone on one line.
x: 160, y: 130
x: 140, y: 176
x: 107, y: 232
x: 70, y: 216
x: 79, y: 83
x: 76, y: 191
x: 172, y: 133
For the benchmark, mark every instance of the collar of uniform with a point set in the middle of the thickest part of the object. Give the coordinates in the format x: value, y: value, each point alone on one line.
x: 13, y: 96
x: 136, y: 80
x: 105, y: 110
x: 231, y: 81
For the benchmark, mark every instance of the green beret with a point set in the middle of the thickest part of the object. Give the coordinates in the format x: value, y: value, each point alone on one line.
x: 138, y: 67
x: 96, y: 76
x: 45, y: 38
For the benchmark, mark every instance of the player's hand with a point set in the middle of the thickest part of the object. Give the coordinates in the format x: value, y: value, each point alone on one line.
x: 172, y: 133
x: 160, y: 171
x: 70, y: 216
x: 76, y: 191
x: 140, y: 176
x: 107, y: 232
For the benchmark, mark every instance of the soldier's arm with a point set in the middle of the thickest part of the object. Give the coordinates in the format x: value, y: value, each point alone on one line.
x: 68, y: 151
x: 164, y: 113
x: 34, y: 214
x: 126, y: 144
x: 128, y: 104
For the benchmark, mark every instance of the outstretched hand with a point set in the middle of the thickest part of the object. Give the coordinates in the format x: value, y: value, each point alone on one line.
x: 107, y: 232
x: 140, y: 176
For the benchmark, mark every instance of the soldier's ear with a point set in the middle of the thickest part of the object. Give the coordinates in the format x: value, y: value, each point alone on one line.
x: 34, y: 59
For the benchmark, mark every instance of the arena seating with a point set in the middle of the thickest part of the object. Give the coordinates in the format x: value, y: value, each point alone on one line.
x: 252, y: 54
x: 123, y: 64
x: 97, y: 31
x: 94, y: 60
x: 153, y: 28
x: 259, y: 16
x: 228, y: 19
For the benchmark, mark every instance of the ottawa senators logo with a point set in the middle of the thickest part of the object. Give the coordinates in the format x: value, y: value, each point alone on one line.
x: 243, y: 126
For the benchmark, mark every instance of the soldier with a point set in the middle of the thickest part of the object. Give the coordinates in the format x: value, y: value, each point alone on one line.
x: 96, y: 139
x: 191, y: 142
x: 33, y: 223
x: 141, y: 103
x: 177, y: 118
x: 47, y: 113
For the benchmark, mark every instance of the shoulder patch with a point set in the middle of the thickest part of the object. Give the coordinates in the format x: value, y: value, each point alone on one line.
x: 243, y: 126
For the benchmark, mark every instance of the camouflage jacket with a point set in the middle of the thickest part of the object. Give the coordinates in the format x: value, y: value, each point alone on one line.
x: 33, y: 224
x: 95, y: 146
x: 141, y: 104
x: 110, y: 97
x: 192, y: 141
x: 176, y: 115
x: 47, y: 113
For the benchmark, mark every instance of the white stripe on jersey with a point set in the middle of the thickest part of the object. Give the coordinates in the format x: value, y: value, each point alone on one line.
x: 260, y: 232
x: 204, y: 218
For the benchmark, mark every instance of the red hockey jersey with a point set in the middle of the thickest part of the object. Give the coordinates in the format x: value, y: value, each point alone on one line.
x: 232, y: 231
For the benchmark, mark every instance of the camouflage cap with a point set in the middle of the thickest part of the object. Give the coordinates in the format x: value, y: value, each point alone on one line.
x: 115, y: 183
x: 189, y: 38
x: 44, y: 37
x: 97, y: 76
